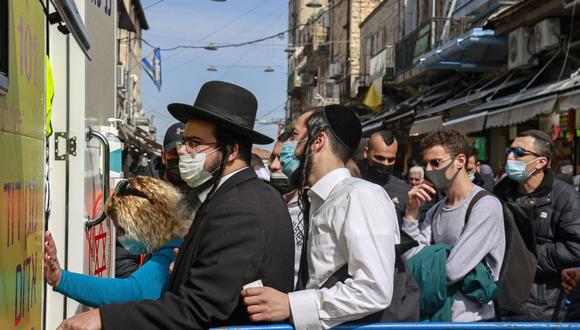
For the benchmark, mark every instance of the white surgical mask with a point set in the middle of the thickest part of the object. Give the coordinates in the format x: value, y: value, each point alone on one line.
x: 191, y: 168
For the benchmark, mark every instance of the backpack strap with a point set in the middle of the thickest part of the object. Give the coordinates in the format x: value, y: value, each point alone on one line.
x: 474, y: 200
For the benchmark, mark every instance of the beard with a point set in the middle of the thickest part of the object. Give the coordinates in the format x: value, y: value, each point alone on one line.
x: 190, y: 199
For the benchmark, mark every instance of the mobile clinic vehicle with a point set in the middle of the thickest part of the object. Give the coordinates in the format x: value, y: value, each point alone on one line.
x: 68, y: 46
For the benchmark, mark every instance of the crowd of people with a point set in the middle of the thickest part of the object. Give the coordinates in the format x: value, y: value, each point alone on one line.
x: 324, y: 237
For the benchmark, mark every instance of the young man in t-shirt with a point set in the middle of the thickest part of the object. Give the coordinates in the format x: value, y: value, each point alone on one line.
x: 481, y: 239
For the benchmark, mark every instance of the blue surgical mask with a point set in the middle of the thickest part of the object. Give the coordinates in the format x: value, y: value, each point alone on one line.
x: 472, y: 177
x: 132, y: 245
x: 516, y: 170
x: 288, y: 161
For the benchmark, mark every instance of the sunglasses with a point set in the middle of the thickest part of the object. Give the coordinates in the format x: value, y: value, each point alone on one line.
x: 519, y: 152
x: 124, y: 188
x: 435, y: 163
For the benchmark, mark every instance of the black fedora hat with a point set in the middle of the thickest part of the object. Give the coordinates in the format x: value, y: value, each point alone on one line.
x: 227, y: 105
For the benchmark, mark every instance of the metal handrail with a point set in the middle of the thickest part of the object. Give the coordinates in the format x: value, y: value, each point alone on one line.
x: 90, y: 223
x: 429, y: 326
x: 425, y: 38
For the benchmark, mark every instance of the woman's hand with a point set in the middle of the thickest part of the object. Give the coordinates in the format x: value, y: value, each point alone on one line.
x: 52, y: 272
x: 570, y: 279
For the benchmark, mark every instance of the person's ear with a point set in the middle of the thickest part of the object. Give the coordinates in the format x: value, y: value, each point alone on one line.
x: 542, y: 163
x: 461, y: 160
x: 232, y: 152
x: 318, y: 142
x: 366, y: 152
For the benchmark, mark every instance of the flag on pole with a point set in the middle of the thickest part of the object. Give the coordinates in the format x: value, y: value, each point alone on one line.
x: 374, y: 95
x: 152, y: 66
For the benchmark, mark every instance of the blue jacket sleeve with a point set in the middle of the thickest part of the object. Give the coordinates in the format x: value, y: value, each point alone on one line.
x: 148, y: 282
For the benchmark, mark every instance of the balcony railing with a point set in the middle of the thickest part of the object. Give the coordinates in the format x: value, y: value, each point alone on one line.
x: 317, y: 35
x: 430, y: 35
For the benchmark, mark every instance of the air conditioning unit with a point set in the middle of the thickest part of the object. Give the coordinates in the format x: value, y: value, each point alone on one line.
x: 121, y: 75
x: 547, y: 34
x: 307, y: 79
x: 335, y: 71
x: 522, y: 48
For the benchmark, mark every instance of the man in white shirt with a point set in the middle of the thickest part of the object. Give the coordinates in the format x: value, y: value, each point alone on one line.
x: 352, y: 224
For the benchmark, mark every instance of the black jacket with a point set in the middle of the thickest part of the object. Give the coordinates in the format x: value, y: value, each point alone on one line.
x: 485, y: 181
x: 398, y: 190
x: 554, y: 208
x: 241, y: 234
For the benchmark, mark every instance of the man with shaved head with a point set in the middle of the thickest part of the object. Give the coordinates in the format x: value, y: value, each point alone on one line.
x: 378, y: 165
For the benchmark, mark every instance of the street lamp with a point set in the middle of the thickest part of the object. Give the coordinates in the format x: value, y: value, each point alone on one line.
x: 313, y: 4
x: 211, y: 46
x: 212, y: 68
x: 269, y: 69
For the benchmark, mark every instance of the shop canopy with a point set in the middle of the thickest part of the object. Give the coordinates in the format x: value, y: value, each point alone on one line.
x: 376, y: 122
x: 474, y: 97
x: 478, y: 50
x: 468, y: 124
x: 427, y: 125
x: 527, y: 104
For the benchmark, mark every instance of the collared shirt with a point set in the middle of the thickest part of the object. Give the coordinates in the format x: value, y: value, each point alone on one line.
x: 298, y: 228
x: 203, y: 194
x: 352, y: 222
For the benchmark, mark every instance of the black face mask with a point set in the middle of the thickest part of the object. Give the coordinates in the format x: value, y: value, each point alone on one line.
x: 281, y: 183
x: 173, y: 175
x: 439, y: 179
x: 379, y: 173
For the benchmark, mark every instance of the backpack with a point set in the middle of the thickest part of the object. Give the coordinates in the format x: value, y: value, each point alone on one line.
x: 519, y: 265
x: 404, y: 305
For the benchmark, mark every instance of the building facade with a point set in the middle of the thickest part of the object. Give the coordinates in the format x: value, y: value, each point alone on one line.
x: 489, y: 69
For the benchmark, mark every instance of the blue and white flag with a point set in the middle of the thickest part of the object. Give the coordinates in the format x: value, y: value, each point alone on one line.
x: 152, y: 66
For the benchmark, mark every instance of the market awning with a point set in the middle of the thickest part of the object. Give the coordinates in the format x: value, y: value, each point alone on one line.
x: 569, y: 100
x: 139, y: 138
x: 525, y: 105
x: 400, y: 116
x: 426, y: 125
x: 474, y: 98
x: 478, y: 50
x: 468, y: 124
x: 521, y: 112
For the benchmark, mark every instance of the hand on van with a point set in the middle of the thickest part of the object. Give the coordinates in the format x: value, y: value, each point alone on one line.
x: 90, y: 320
x: 52, y: 271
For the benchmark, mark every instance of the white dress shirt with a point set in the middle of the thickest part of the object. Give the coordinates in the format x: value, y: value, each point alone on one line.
x: 298, y: 228
x: 203, y: 195
x: 352, y: 222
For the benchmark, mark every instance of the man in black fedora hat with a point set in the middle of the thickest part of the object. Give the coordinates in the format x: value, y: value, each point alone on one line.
x: 347, y: 262
x: 241, y: 234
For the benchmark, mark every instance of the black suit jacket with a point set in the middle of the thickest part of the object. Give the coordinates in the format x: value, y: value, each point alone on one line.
x: 241, y: 234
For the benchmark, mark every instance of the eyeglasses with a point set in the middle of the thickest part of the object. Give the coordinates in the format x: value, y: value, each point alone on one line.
x: 519, y: 152
x: 435, y: 163
x: 124, y: 188
x: 191, y: 145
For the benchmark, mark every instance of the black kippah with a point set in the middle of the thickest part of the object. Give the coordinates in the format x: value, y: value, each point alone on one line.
x: 344, y: 124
